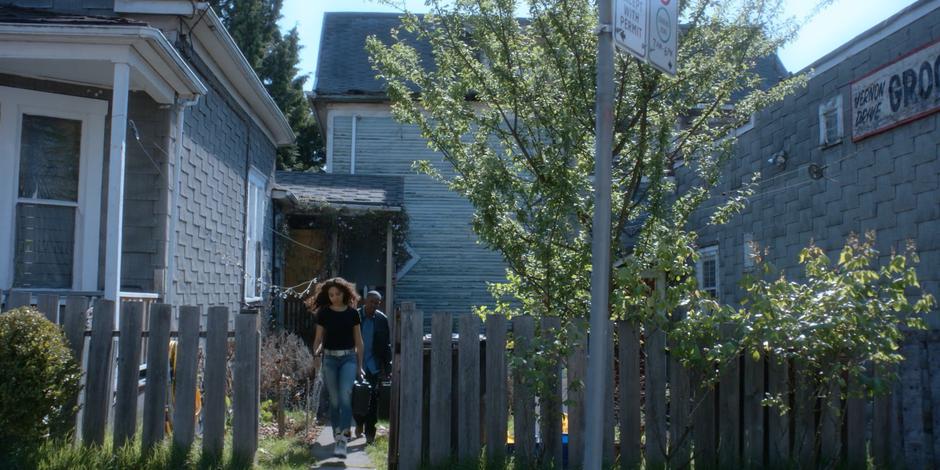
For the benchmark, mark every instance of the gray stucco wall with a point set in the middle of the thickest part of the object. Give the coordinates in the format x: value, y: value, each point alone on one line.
x: 887, y: 183
x: 219, y: 143
x: 453, y: 270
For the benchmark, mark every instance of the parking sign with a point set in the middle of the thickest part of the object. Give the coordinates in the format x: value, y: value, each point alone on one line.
x: 630, y: 25
x: 662, y: 29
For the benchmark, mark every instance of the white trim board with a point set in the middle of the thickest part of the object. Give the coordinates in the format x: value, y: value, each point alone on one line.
x: 14, y: 102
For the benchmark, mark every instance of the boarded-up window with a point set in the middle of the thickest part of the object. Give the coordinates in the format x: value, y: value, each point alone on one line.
x: 50, y: 152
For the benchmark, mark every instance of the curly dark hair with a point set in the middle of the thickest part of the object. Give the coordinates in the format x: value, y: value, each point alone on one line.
x: 321, y: 295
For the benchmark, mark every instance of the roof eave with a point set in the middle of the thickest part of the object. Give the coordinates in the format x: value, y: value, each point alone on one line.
x: 192, y: 87
x: 213, y: 33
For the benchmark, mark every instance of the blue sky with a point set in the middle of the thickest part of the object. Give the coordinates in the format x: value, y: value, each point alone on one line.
x: 832, y: 27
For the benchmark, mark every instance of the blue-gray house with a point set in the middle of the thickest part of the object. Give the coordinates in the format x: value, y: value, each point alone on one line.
x: 137, y: 153
x: 440, y: 265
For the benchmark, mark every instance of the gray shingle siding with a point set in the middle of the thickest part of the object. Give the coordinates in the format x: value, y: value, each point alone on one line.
x: 453, y: 269
x: 887, y: 183
x: 219, y: 143
x: 145, y: 193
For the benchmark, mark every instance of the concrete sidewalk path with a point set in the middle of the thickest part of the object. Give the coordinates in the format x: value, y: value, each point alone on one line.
x: 357, y: 457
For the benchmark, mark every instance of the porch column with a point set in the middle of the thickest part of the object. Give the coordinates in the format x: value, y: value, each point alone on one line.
x: 112, y: 263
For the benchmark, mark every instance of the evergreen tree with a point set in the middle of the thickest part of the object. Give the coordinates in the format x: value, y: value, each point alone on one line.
x: 275, y: 58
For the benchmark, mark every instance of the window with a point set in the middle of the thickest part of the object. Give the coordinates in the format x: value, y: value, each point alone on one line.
x: 254, y: 234
x: 51, y: 163
x: 750, y: 251
x: 830, y: 122
x: 50, y: 151
x: 707, y: 270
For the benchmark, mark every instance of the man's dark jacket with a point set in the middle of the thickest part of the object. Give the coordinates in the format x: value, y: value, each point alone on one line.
x: 381, y: 339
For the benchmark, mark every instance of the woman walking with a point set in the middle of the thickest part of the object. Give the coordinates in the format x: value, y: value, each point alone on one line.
x: 339, y: 340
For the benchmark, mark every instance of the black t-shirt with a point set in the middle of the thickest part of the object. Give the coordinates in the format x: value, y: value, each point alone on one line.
x: 338, y: 327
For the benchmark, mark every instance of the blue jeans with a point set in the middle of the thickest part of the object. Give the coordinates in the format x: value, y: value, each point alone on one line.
x: 339, y: 373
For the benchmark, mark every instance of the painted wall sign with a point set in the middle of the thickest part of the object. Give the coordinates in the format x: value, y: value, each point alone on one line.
x: 897, y: 93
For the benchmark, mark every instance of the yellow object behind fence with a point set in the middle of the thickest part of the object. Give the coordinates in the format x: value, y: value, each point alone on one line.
x: 168, y: 422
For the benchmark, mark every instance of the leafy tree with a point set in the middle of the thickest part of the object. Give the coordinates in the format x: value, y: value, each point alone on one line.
x: 842, y: 327
x: 510, y: 104
x: 275, y: 58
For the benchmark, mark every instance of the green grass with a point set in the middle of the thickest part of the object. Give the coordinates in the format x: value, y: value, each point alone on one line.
x: 273, y: 452
x: 378, y: 451
x: 283, y: 453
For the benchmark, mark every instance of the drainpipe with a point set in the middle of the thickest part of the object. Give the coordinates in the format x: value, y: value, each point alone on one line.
x: 174, y: 210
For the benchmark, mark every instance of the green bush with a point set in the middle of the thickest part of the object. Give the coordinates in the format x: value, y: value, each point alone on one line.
x: 39, y: 381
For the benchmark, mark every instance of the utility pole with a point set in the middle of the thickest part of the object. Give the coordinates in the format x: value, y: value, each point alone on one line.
x: 598, y: 365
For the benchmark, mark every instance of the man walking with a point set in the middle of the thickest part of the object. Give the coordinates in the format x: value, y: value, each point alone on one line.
x: 376, y: 338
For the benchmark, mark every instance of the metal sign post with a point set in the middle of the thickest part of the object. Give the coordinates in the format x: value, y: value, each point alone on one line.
x: 646, y: 29
x: 600, y: 244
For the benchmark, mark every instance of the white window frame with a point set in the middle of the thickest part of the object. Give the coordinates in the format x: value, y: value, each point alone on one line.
x: 833, y: 105
x: 14, y: 102
x: 257, y: 194
x: 708, y: 252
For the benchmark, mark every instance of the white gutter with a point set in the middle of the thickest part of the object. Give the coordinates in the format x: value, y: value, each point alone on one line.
x: 120, y: 34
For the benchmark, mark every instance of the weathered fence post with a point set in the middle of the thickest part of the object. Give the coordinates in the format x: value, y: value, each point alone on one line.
x: 855, y: 420
x: 187, y: 353
x: 98, y: 378
x: 609, y: 422
x: 778, y: 425
x: 933, y: 365
x: 550, y: 405
x: 394, y: 406
x: 680, y: 425
x: 246, y: 387
x: 729, y: 414
x: 48, y: 304
x: 74, y: 322
x: 76, y: 310
x: 704, y: 423
x: 655, y: 396
x: 577, y: 372
x: 213, y: 438
x: 523, y: 401
x: 496, y: 400
x: 157, y: 365
x: 915, y: 448
x: 629, y: 355
x: 804, y: 421
x: 830, y: 427
x: 128, y: 370
x: 16, y: 299
x: 440, y: 403
x: 468, y: 383
x: 753, y: 432
x: 412, y: 356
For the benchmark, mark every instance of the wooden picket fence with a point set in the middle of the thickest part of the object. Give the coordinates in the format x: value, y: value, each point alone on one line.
x: 663, y: 416
x: 95, y: 349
